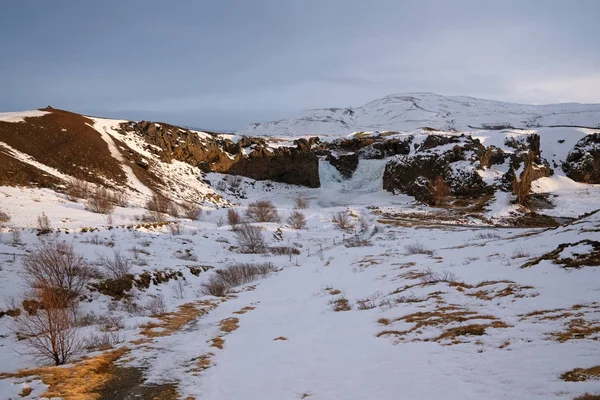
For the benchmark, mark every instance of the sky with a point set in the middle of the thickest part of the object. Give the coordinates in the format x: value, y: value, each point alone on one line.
x: 220, y: 65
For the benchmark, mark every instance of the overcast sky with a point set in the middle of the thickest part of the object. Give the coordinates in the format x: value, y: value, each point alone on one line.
x: 222, y: 64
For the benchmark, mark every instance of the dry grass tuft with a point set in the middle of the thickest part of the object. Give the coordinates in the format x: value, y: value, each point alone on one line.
x: 341, y: 303
x: 81, y: 381
x: 582, y: 374
x: 281, y: 338
x: 244, y: 310
x: 217, y: 342
x: 174, y: 321
x: 229, y: 324
x: 26, y: 391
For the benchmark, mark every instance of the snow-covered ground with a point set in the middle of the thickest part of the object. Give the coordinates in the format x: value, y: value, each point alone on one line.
x: 401, y: 336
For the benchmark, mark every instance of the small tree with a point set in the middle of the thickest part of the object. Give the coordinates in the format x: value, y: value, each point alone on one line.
x: 50, y: 332
x: 233, y: 218
x: 262, y: 211
x: 439, y: 190
x: 250, y: 239
x: 56, y: 266
x: 100, y: 201
x: 159, y: 206
x: 297, y: 220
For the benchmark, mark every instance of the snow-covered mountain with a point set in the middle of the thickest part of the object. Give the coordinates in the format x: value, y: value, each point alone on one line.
x: 409, y: 111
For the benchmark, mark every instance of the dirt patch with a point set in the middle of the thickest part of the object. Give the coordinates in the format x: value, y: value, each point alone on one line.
x: 577, y: 260
x: 174, y: 321
x: 128, y: 383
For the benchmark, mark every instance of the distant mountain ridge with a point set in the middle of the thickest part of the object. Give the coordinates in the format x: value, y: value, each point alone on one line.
x: 410, y: 111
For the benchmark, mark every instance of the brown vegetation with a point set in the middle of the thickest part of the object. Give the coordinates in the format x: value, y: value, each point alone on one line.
x: 297, y: 220
x: 262, y: 211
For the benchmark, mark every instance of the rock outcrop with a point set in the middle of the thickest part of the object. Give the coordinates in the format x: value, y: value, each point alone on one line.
x: 249, y: 157
x: 583, y: 162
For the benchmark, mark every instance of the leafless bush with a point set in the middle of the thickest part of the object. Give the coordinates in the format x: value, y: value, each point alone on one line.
x: 439, y: 190
x: 234, y: 181
x: 176, y: 229
x: 235, y: 275
x: 342, y: 220
x: 191, y: 210
x: 521, y: 252
x: 4, y: 217
x: 410, y: 298
x: 284, y: 251
x: 96, y: 240
x: 56, y: 266
x: 220, y: 222
x: 43, y: 224
x: 417, y: 248
x: 233, y: 218
x: 297, y: 220
x: 368, y: 302
x: 262, y: 211
x: 431, y: 277
x: 77, y: 189
x: 118, y: 266
x: 15, y: 235
x: 301, y: 203
x: 486, y: 235
x: 50, y: 333
x: 159, y: 206
x: 250, y: 239
x: 102, y: 341
x: 156, y: 306
x: 357, y: 241
x: 179, y: 289
x: 119, y: 198
x: 100, y: 201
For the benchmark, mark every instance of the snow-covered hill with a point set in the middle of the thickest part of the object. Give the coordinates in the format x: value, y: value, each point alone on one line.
x: 409, y: 111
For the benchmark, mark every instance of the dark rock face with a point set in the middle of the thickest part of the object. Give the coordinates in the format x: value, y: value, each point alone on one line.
x: 344, y: 154
x: 414, y: 174
x: 583, y: 162
x: 295, y: 165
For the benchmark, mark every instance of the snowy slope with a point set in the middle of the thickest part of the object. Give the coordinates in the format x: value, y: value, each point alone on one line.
x: 410, y: 111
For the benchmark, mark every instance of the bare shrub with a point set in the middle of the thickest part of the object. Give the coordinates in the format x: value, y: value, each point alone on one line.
x: 179, y: 289
x: 233, y: 218
x: 262, y: 211
x: 297, y: 220
x: 368, y: 302
x: 156, y: 306
x: 284, y: 251
x: 234, y: 181
x: 77, y: 189
x: 235, y: 275
x: 43, y: 224
x: 417, y: 248
x: 521, y: 252
x: 191, y: 210
x: 439, y: 190
x: 301, y: 203
x: 57, y: 267
x: 220, y: 222
x: 486, y: 235
x: 431, y: 277
x: 4, y: 217
x: 118, y: 266
x: 342, y: 220
x: 100, y: 201
x: 15, y: 235
x: 341, y: 303
x: 176, y: 229
x: 50, y: 333
x: 159, y: 206
x: 102, y: 341
x: 119, y: 198
x: 250, y: 239
x: 357, y: 241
